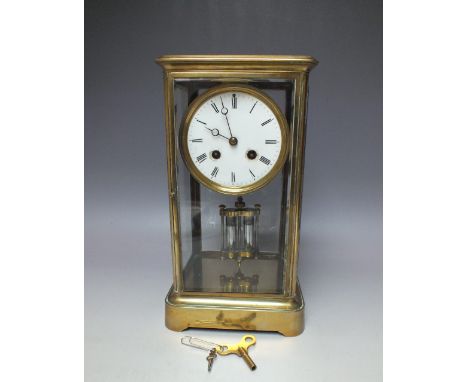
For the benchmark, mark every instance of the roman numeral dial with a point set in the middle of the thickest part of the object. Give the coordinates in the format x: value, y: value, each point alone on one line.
x: 234, y: 139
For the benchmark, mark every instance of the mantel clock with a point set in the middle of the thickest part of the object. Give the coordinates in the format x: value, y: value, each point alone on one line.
x: 235, y: 137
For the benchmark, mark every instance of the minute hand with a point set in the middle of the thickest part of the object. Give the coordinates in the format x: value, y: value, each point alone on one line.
x: 224, y: 111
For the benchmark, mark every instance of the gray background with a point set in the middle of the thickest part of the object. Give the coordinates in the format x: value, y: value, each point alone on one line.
x: 127, y: 260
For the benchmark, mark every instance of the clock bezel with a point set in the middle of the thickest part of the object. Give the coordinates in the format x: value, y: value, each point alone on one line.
x: 209, y: 183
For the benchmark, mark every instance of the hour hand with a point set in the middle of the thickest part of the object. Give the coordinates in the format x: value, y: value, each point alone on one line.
x: 215, y: 133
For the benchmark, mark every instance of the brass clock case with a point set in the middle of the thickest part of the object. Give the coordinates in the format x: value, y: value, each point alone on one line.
x: 198, y: 297
x: 209, y: 183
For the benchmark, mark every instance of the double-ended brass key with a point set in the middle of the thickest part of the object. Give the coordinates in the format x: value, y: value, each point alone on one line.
x: 241, y: 350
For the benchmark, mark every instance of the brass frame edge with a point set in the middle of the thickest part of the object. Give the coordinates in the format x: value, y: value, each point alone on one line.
x: 297, y: 173
x: 171, y: 153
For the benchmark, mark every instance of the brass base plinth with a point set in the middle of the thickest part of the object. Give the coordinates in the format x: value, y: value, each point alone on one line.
x: 235, y: 312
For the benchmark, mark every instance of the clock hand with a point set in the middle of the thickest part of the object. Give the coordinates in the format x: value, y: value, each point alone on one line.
x: 233, y: 140
x: 224, y: 109
x: 215, y: 133
x: 229, y: 126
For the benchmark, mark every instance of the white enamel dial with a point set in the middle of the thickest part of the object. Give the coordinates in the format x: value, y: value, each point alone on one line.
x: 235, y: 139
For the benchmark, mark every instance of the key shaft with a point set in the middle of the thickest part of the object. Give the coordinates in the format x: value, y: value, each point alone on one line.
x: 245, y: 356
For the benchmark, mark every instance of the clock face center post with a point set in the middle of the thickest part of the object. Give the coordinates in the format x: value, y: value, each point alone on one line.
x: 233, y: 141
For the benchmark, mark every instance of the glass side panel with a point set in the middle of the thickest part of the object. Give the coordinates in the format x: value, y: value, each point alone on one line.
x: 240, y: 246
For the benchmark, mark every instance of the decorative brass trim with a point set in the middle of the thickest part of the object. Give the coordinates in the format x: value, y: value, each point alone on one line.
x: 231, y: 212
x: 243, y: 62
x: 209, y: 183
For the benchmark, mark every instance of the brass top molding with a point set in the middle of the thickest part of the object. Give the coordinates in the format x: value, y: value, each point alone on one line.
x: 238, y: 62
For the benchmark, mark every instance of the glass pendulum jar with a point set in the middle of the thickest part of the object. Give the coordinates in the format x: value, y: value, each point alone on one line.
x: 239, y: 227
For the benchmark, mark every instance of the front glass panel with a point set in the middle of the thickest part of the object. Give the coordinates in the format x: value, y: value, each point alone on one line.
x: 232, y: 243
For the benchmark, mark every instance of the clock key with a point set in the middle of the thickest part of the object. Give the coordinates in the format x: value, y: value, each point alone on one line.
x: 240, y: 349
